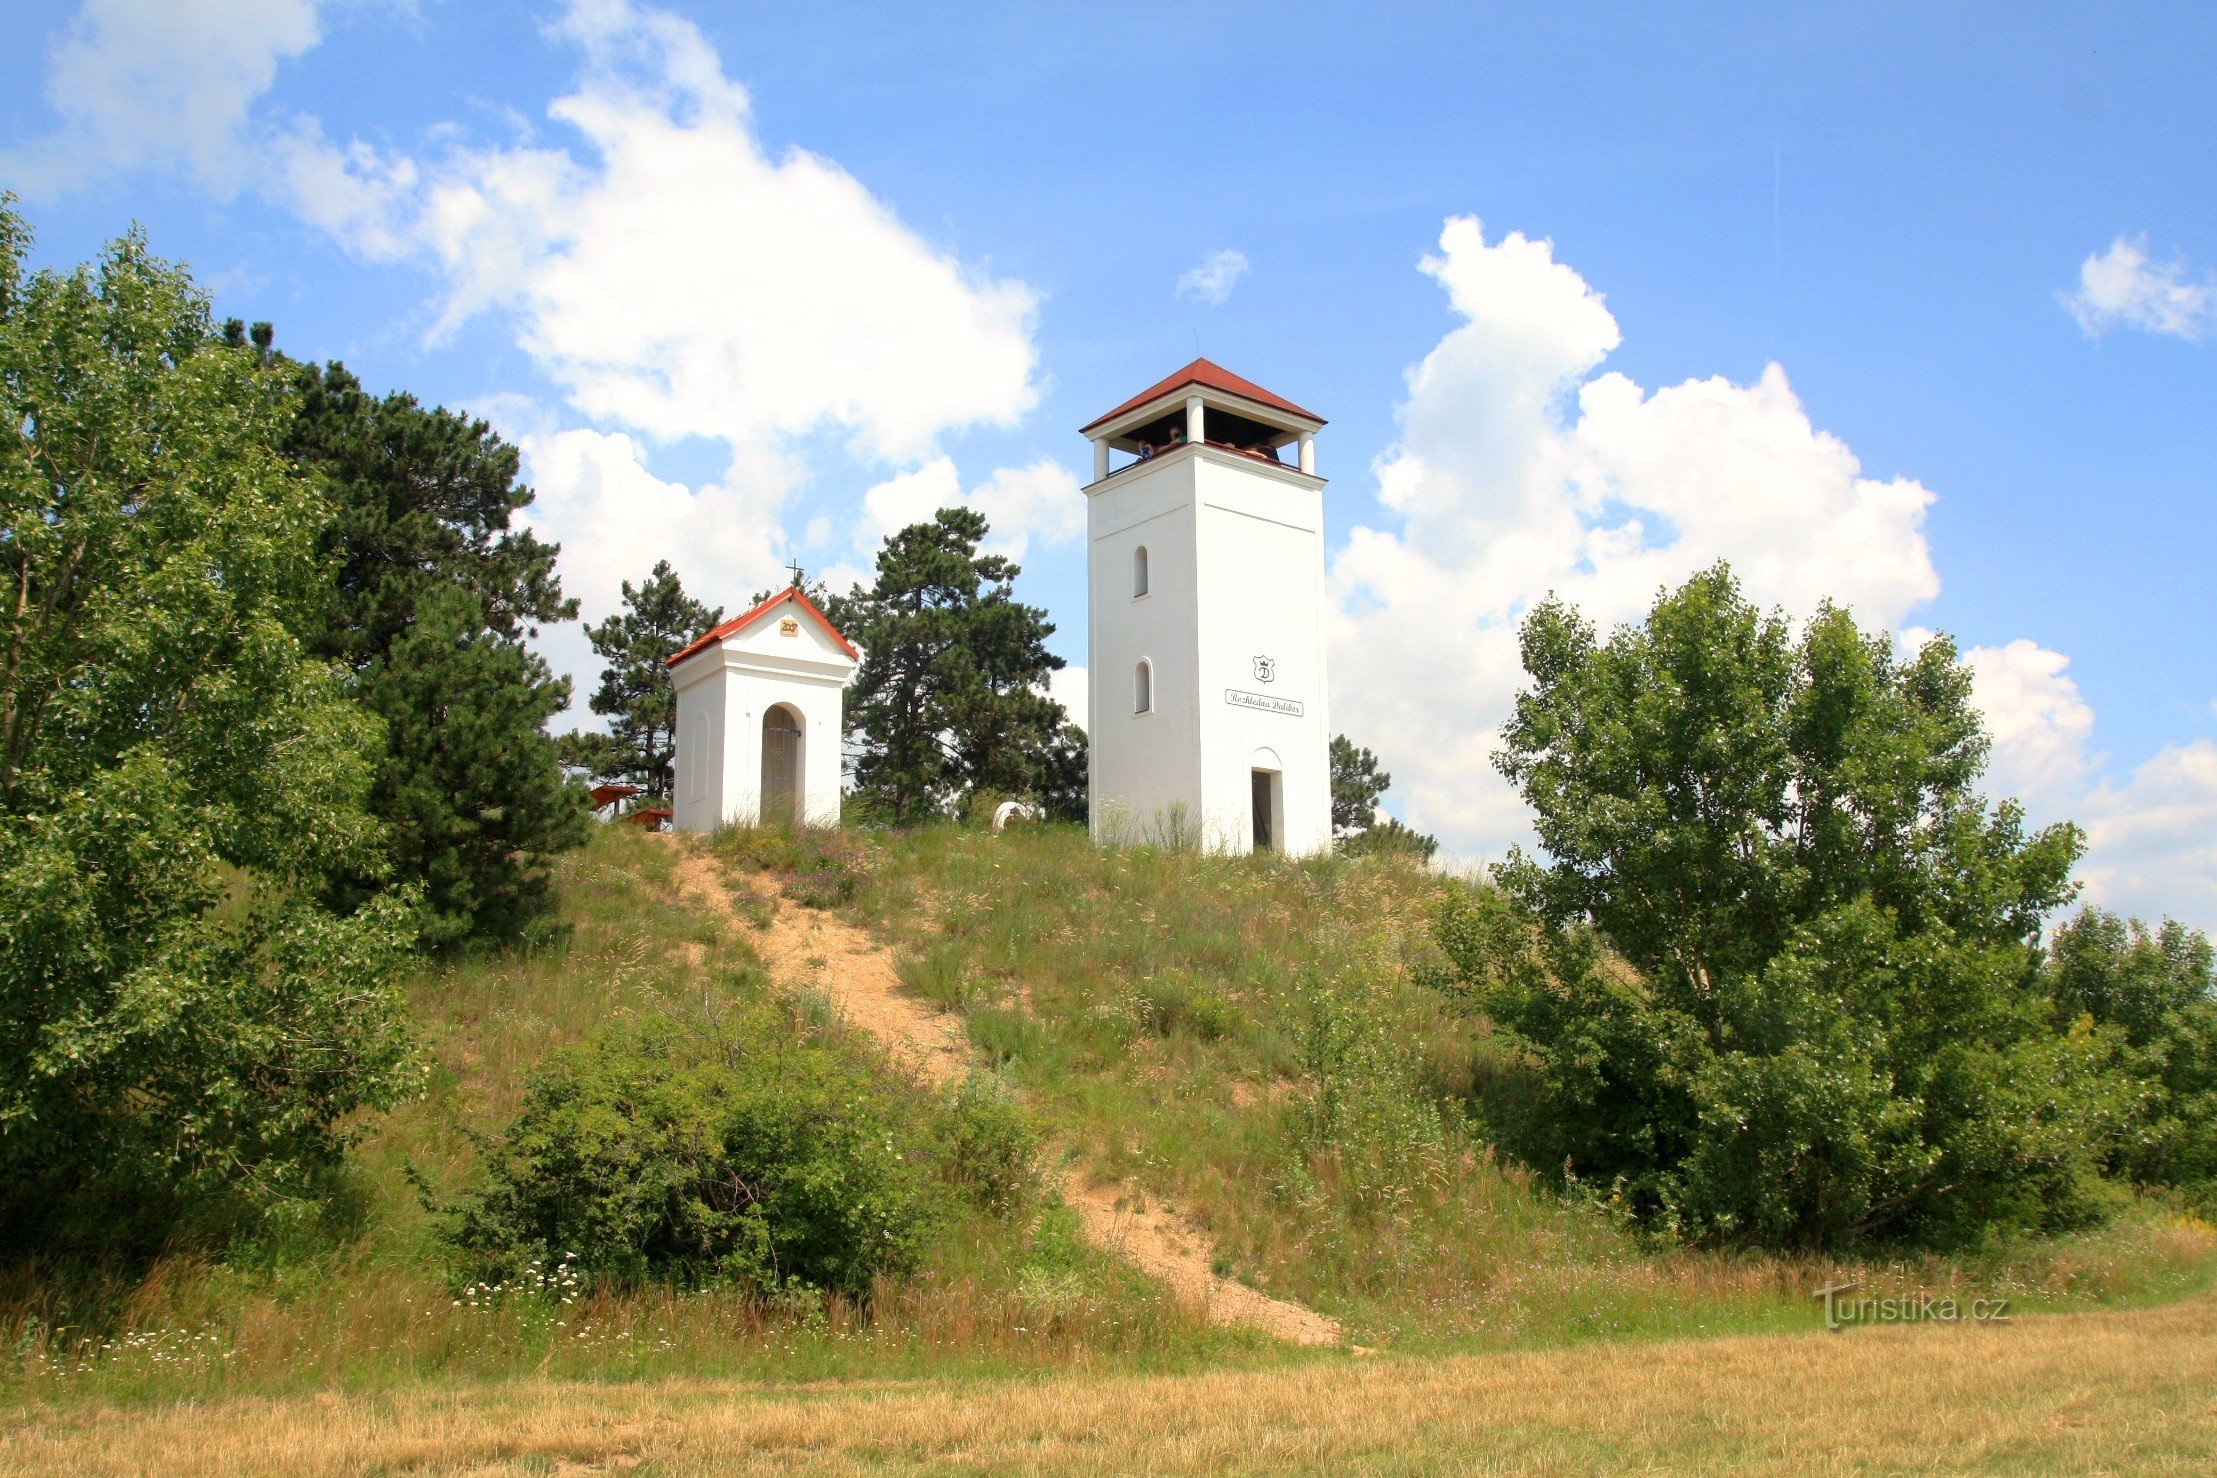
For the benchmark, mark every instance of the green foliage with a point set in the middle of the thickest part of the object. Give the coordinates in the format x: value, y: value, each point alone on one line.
x: 703, y: 1154
x: 468, y: 783
x: 1357, y: 782
x: 1831, y: 1032
x: 1064, y: 779
x: 1389, y: 838
x: 951, y: 694
x: 2152, y: 996
x: 635, y: 694
x: 178, y: 779
x: 432, y: 598
x: 991, y: 1147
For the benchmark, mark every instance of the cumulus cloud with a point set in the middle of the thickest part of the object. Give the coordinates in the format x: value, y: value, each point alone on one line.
x: 2124, y: 286
x: 677, y: 279
x: 2152, y: 841
x: 1211, y: 282
x: 2042, y: 728
x: 1524, y: 467
x: 1521, y: 469
x: 161, y: 83
x: 1020, y: 504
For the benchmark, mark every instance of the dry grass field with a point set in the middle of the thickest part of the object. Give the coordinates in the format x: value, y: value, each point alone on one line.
x: 2100, y: 1392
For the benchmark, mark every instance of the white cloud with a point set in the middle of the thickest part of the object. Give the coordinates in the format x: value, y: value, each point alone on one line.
x: 1524, y: 468
x: 1521, y: 471
x: 2123, y: 286
x: 1067, y: 686
x: 1040, y: 501
x: 160, y: 83
x: 1211, y: 282
x: 2042, y: 729
x: 676, y: 279
x: 2152, y: 841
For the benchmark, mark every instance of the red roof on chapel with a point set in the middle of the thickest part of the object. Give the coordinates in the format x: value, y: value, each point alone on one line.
x: 1215, y: 377
x: 742, y: 621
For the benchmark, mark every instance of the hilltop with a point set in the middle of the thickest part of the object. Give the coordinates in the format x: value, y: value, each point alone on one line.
x: 1243, y: 1052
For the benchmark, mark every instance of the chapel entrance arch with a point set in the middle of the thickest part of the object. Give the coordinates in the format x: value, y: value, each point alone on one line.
x: 783, y: 746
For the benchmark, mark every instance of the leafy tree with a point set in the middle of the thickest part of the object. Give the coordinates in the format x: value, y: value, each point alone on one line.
x: 1834, y: 1033
x: 951, y: 692
x: 636, y: 695
x: 432, y: 600
x: 179, y: 1016
x: 2152, y: 993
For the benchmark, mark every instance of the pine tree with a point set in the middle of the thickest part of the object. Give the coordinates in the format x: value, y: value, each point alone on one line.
x: 636, y: 695
x: 470, y: 790
x: 950, y: 695
x: 463, y: 782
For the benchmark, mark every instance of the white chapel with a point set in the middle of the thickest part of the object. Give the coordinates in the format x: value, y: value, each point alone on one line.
x: 759, y: 718
x: 1205, y: 555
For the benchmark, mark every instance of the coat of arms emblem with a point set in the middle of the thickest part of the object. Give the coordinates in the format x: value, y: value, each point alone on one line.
x: 1266, y: 669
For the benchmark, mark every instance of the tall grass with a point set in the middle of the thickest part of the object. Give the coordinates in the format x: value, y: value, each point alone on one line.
x: 1248, y: 1037
x: 1245, y: 1037
x: 366, y: 1298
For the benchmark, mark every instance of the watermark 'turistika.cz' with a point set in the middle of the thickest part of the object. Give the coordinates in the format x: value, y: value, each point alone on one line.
x: 1905, y: 1308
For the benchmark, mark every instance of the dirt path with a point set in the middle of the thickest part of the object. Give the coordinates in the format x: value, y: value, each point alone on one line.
x: 805, y: 947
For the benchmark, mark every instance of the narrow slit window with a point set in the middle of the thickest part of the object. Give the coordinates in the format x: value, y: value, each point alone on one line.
x: 1143, y: 688
x: 1139, y: 572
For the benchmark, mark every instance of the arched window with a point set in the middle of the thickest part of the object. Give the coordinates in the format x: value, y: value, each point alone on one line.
x: 1143, y: 687
x: 1139, y: 572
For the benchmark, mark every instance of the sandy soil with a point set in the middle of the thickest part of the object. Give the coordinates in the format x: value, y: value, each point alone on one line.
x: 807, y: 947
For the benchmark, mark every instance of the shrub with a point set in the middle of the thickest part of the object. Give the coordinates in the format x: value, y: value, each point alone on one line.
x: 658, y: 1153
x: 992, y: 1149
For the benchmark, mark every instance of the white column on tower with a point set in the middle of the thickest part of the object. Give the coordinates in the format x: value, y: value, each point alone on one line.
x: 1308, y: 452
x: 1195, y: 420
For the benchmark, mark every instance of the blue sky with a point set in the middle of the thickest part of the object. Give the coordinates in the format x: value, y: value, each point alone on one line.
x: 1977, y: 245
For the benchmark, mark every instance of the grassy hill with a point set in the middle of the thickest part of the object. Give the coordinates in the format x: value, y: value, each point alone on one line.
x: 1250, y: 1040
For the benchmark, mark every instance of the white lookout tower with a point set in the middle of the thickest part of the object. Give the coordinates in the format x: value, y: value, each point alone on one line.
x: 1205, y: 552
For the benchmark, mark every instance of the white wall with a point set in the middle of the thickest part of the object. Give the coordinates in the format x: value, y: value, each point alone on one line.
x: 734, y: 684
x: 1262, y: 595
x: 1236, y: 570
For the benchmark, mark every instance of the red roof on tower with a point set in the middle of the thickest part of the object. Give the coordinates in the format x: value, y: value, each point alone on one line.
x: 1215, y: 377
x: 741, y: 622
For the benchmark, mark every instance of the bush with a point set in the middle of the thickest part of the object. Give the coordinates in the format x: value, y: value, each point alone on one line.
x: 992, y: 1149
x: 657, y: 1153
x: 1838, y: 1106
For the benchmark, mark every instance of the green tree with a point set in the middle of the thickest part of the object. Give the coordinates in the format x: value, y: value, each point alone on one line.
x: 1357, y: 782
x: 179, y: 1016
x: 468, y: 782
x: 1834, y: 1033
x: 636, y: 695
x: 432, y: 600
x: 951, y: 694
x: 1065, y: 778
x: 2153, y: 994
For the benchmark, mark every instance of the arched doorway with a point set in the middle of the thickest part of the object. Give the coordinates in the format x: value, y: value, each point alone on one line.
x: 1266, y: 806
x: 782, y: 784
